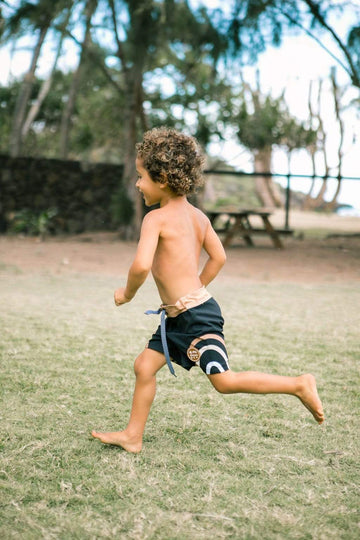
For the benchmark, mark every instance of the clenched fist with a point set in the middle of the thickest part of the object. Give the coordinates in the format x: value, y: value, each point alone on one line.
x: 120, y: 298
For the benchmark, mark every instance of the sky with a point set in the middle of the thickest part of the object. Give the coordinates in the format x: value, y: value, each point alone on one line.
x: 292, y: 66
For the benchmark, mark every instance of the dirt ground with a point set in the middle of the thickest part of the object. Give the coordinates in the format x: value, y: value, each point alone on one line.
x: 304, y: 259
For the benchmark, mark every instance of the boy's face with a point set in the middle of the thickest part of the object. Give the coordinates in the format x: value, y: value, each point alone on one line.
x: 150, y: 190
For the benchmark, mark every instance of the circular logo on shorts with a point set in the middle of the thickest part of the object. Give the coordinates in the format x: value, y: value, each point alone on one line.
x: 193, y: 354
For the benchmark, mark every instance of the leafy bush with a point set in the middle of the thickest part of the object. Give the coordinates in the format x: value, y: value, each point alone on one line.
x: 27, y: 221
x: 122, y: 208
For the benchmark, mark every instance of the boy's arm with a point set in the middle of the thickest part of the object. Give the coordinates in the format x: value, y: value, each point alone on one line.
x: 217, y: 256
x: 141, y: 266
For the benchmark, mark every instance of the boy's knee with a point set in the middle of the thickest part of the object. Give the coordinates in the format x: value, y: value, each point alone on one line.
x: 140, y: 365
x: 147, y: 363
x: 221, y: 382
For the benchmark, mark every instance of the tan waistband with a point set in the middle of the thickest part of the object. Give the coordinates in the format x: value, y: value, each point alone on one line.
x: 193, y: 299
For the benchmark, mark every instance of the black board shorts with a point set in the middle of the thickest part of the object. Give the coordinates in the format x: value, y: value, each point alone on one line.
x: 195, y: 338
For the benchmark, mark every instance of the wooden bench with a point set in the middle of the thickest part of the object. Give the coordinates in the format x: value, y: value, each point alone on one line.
x: 237, y: 222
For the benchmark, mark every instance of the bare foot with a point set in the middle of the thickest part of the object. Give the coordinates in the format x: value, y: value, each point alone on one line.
x: 119, y: 438
x: 308, y: 395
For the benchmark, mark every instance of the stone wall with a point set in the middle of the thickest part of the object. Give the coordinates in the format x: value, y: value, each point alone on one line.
x: 81, y: 193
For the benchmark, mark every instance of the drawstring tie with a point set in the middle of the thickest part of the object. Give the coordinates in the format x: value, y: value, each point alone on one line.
x: 163, y: 335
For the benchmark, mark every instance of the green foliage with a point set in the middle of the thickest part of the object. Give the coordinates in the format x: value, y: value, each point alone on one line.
x: 296, y: 134
x: 7, y: 105
x: 170, y: 57
x: 354, y: 49
x: 270, y: 123
x: 122, y: 207
x: 261, y: 128
x: 51, y: 109
x: 255, y: 24
x: 156, y: 38
x: 97, y: 119
x: 28, y: 16
x: 44, y: 129
x: 232, y: 191
x: 26, y: 221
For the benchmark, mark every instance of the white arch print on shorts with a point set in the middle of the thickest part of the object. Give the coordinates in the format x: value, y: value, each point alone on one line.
x: 214, y: 364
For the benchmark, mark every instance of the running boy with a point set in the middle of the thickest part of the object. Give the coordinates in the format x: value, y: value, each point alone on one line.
x: 169, y: 166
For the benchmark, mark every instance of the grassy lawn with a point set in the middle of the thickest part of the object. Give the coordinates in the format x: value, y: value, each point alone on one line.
x: 212, y: 466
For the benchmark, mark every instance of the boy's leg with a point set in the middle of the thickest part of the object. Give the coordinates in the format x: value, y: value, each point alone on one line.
x: 146, y: 366
x: 253, y: 382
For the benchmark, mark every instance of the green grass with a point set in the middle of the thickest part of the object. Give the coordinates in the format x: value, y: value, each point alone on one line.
x: 212, y: 466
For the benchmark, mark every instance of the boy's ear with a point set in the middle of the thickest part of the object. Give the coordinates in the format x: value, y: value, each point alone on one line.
x: 162, y: 179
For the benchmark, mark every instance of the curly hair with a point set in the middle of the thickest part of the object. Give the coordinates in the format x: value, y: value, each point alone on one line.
x: 172, y: 157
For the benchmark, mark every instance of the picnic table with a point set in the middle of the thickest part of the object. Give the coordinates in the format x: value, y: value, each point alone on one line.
x: 239, y: 222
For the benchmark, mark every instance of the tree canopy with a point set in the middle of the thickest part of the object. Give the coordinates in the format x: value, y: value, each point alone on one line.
x: 143, y: 63
x: 256, y: 23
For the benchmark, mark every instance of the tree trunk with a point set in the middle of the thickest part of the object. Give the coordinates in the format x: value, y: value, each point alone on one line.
x: 23, y: 98
x: 331, y: 205
x: 312, y: 150
x: 312, y: 203
x: 45, y: 87
x: 75, y: 83
x: 318, y: 201
x: 134, y: 111
x: 336, y: 93
x: 308, y: 199
x: 266, y: 190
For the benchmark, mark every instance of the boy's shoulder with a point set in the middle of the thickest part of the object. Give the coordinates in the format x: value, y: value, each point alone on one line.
x: 200, y: 215
x: 162, y: 215
x: 153, y: 214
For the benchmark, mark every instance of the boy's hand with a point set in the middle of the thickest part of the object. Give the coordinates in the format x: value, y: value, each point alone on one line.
x: 120, y: 298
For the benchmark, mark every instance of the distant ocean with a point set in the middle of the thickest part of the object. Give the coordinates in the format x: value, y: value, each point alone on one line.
x: 349, y: 195
x: 348, y: 212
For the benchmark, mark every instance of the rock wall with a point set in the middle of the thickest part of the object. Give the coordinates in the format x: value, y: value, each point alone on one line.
x: 81, y: 193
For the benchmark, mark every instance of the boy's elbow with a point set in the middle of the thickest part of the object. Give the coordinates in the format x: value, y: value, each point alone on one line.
x: 140, y: 270
x: 222, y: 259
x: 218, y: 262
